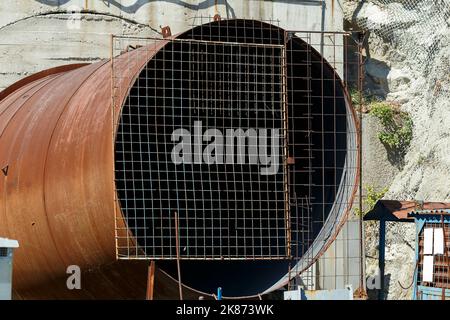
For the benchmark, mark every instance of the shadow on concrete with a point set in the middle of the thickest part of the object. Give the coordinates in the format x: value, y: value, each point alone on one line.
x: 133, y: 8
x: 201, y: 5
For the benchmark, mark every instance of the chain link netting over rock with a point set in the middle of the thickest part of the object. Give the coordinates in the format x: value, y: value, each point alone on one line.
x: 419, y: 30
x: 409, y: 58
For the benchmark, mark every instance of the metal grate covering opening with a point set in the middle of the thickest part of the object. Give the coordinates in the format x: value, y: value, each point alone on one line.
x: 229, y: 75
x: 202, y: 134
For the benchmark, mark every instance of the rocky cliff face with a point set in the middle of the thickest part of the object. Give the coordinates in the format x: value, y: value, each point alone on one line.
x: 408, y: 53
x: 409, y: 63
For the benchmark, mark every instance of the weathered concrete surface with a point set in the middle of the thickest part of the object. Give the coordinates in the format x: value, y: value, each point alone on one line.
x: 43, y: 42
x: 313, y: 14
x: 379, y: 169
x: 39, y: 34
x: 340, y: 264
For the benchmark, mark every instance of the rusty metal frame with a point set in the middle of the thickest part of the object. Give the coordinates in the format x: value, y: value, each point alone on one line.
x: 132, y: 246
x: 285, y: 107
x: 362, y: 280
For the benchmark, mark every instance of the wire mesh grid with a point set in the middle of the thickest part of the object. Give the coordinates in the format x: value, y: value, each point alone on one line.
x: 323, y: 95
x: 222, y: 76
x: 229, y: 204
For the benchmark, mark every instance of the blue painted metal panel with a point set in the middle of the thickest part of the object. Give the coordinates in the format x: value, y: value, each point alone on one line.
x: 419, y: 226
x: 429, y: 293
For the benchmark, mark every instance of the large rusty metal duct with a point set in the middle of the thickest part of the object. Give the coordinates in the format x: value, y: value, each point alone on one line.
x: 57, y: 185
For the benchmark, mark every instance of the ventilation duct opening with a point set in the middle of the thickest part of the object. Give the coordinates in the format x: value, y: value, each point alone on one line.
x: 263, y: 199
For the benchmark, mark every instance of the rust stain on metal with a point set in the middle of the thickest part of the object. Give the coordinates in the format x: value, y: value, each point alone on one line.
x: 42, y: 74
x: 150, y: 281
x: 55, y: 131
x: 401, y: 210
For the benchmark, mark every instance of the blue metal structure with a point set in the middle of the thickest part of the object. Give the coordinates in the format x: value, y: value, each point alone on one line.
x: 437, y: 218
x: 219, y: 293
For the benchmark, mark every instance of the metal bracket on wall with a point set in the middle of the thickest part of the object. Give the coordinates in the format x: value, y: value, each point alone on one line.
x: 166, y: 32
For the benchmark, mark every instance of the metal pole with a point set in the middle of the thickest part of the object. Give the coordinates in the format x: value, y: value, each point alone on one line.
x: 150, y: 280
x: 177, y: 244
x: 286, y: 149
x: 381, y: 256
x: 362, y: 287
x: 445, y: 252
x: 113, y: 115
x: 289, y: 277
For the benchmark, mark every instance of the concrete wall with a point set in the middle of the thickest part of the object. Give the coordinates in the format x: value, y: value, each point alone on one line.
x: 340, y: 265
x: 40, y: 34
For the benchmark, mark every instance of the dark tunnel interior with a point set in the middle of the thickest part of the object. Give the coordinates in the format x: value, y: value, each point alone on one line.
x: 230, y: 209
